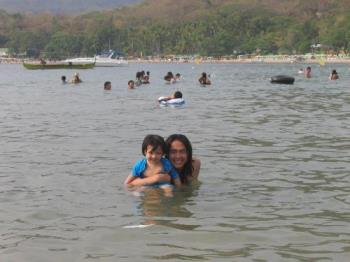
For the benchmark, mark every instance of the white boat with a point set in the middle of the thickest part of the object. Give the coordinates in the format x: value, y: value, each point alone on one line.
x: 108, y: 59
x: 99, y: 61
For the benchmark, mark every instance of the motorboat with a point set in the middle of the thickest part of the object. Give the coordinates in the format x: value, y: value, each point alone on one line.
x: 106, y: 59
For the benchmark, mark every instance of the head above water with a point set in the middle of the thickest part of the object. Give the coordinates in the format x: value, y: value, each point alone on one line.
x: 131, y: 84
x: 107, y: 85
x: 180, y: 155
x: 155, y: 142
x: 177, y: 94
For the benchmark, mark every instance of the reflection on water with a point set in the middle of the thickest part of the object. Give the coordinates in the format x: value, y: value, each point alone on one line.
x: 274, y: 178
x: 159, y: 209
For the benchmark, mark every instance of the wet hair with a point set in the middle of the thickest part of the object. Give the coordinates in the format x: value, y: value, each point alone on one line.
x: 155, y: 142
x: 130, y: 81
x: 63, y: 78
x: 107, y: 83
x: 177, y: 94
x: 334, y: 71
x: 168, y: 76
x: 204, y: 74
x: 188, y: 167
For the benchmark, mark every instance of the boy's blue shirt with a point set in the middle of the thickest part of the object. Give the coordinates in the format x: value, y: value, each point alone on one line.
x: 141, y: 165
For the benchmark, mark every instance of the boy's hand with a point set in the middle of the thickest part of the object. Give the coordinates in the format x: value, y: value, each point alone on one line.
x: 164, y: 177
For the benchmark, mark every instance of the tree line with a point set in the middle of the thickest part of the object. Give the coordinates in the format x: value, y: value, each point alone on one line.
x: 223, y: 31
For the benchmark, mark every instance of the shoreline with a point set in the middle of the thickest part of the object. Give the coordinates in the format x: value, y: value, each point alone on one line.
x: 253, y: 60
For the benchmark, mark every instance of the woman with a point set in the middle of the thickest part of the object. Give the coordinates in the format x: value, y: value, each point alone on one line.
x: 180, y: 155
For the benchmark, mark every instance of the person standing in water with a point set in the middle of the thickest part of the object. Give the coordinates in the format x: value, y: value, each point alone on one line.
x: 64, y: 79
x: 308, y: 72
x: 76, y: 79
x: 204, y: 79
x: 334, y: 75
x: 107, y: 85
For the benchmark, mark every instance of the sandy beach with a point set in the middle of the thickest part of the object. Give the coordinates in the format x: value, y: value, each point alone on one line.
x: 277, y: 59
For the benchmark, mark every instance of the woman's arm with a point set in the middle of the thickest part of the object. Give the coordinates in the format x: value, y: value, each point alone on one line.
x: 196, y: 168
x: 177, y: 182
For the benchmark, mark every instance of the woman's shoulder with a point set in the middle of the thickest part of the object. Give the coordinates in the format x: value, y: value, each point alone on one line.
x: 196, y: 163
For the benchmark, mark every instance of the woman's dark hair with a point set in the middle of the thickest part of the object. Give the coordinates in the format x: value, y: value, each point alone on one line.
x: 154, y: 141
x: 188, y: 167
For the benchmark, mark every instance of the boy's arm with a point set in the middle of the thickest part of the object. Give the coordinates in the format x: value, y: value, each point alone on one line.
x: 161, y: 177
x: 130, y: 178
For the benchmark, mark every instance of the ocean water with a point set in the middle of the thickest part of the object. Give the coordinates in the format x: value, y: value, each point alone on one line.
x: 274, y: 183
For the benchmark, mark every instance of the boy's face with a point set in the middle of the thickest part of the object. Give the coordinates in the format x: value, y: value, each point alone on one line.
x: 153, y: 156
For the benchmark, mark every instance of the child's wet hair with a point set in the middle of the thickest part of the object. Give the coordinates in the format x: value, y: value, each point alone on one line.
x: 155, y: 141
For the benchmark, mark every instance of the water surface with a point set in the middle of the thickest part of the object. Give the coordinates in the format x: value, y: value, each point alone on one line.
x: 274, y: 183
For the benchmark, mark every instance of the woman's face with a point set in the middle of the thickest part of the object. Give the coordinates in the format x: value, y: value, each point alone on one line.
x: 178, y: 154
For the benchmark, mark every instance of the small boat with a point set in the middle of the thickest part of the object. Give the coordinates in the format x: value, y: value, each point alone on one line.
x: 58, y: 65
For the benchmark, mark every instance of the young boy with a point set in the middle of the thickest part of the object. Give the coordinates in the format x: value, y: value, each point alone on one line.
x: 154, y: 169
x: 131, y: 84
x: 107, y: 85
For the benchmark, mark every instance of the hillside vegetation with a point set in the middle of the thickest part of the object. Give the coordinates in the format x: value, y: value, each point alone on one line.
x: 205, y: 27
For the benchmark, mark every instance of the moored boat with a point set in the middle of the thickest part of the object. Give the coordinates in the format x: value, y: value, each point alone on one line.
x: 58, y: 65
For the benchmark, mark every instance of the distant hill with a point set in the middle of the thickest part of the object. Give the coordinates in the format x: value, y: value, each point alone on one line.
x: 180, y: 10
x: 61, y: 6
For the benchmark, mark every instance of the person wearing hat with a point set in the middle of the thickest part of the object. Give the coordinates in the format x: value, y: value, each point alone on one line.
x: 76, y: 79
